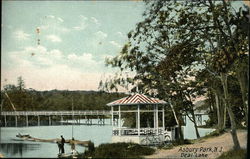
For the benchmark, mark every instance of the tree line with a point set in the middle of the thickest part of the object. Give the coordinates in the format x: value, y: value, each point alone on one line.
x: 184, y: 50
x: 17, y: 97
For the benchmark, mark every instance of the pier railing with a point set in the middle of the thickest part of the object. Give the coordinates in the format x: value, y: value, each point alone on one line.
x: 36, y: 113
x: 87, y: 115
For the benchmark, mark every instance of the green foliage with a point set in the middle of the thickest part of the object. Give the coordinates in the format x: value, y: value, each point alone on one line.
x: 20, y: 83
x: 30, y: 99
x: 234, y: 154
x: 89, y: 152
x: 214, y: 134
x: 122, y: 150
x: 179, y: 142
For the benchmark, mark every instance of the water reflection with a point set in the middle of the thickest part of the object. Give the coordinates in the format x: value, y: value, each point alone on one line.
x: 17, y: 149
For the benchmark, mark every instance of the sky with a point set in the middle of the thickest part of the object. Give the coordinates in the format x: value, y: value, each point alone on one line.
x: 75, y: 38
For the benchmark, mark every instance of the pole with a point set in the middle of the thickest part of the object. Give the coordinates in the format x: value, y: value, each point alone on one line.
x: 16, y: 120
x: 163, y: 118
x: 38, y: 120
x: 27, y: 120
x: 61, y: 119
x: 157, y: 119
x: 119, y: 122
x: 49, y: 120
x: 112, y: 116
x: 72, y: 118
x: 154, y: 118
x: 5, y: 121
x: 138, y: 111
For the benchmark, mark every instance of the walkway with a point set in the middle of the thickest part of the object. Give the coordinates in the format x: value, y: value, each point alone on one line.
x: 205, y: 148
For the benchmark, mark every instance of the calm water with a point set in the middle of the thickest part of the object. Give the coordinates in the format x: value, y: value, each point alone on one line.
x: 10, y: 147
x: 189, y: 131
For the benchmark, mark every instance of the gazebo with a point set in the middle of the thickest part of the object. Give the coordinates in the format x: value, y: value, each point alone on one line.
x: 138, y: 104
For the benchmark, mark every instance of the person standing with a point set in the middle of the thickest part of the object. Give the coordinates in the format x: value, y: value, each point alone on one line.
x: 62, y: 144
x: 73, y: 147
x: 59, y: 147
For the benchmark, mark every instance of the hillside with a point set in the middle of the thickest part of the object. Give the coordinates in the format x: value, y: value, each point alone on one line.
x: 57, y: 100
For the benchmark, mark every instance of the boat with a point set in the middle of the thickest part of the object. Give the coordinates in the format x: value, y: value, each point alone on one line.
x: 23, y: 136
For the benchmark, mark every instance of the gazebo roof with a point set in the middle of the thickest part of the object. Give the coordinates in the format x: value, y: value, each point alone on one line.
x: 136, y: 99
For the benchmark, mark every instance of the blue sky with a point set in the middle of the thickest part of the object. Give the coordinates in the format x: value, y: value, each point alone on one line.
x: 75, y: 38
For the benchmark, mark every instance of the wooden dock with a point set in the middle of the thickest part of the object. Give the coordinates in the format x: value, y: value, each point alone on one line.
x: 68, y: 141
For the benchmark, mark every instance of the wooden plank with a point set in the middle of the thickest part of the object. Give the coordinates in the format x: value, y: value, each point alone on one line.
x: 30, y: 138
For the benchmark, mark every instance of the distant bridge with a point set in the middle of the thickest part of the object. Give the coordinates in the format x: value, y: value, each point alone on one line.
x: 78, y: 114
x: 100, y: 114
x: 47, y: 113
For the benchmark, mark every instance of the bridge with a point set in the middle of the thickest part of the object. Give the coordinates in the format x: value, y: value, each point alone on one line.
x: 77, y: 115
x: 65, y: 116
x: 36, y: 113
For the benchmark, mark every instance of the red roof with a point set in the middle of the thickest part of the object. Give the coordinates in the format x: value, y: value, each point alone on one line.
x: 136, y: 99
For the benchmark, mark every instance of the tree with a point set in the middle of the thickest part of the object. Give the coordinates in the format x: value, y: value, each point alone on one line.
x: 178, y: 39
x: 20, y: 83
x: 162, y: 50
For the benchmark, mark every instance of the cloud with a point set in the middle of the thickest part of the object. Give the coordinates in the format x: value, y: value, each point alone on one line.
x: 83, y: 17
x: 115, y: 44
x: 93, y: 19
x: 60, y: 19
x: 120, y: 34
x: 52, y: 69
x: 72, y: 56
x: 85, y: 59
x: 51, y: 22
x: 56, y: 53
x: 53, y: 38
x: 59, y: 77
x: 36, y: 56
x: 83, y: 23
x: 21, y: 35
x: 39, y: 49
x: 101, y: 35
x: 81, y: 27
x: 50, y: 16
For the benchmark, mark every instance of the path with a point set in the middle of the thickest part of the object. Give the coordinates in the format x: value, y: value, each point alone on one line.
x: 205, y: 148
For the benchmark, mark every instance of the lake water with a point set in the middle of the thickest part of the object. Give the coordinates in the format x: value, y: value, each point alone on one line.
x: 9, y: 147
x: 189, y: 131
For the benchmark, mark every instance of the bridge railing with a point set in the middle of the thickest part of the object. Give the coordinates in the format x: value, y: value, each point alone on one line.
x: 77, y: 112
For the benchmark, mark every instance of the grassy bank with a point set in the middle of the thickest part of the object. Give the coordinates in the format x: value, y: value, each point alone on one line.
x: 234, y: 154
x: 117, y: 150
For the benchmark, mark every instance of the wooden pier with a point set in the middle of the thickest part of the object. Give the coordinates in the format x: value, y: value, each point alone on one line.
x: 87, y: 116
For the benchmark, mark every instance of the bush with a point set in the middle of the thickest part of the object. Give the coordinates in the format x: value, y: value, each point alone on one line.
x: 122, y: 150
x: 90, y: 151
x: 214, y: 133
x: 179, y: 142
x: 234, y: 154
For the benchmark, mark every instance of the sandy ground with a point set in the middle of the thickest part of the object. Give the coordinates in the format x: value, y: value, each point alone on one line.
x: 206, y: 148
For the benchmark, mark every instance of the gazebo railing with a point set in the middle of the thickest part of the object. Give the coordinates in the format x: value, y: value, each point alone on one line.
x: 143, y: 131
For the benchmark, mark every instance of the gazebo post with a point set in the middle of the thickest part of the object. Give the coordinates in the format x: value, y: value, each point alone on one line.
x: 157, y: 119
x: 112, y: 116
x: 138, y: 119
x: 154, y: 117
x: 119, y: 120
x: 163, y: 118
